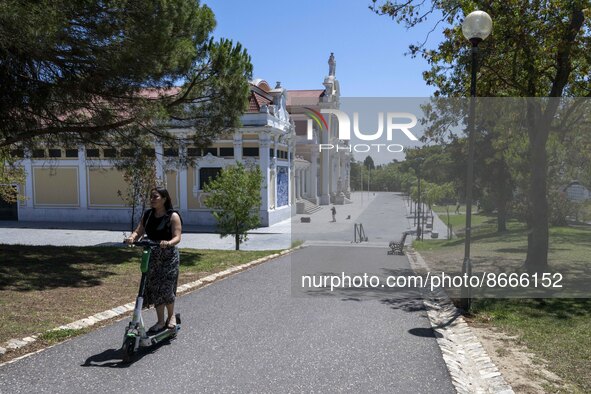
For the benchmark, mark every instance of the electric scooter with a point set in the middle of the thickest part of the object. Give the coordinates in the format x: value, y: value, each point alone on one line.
x: 136, y: 335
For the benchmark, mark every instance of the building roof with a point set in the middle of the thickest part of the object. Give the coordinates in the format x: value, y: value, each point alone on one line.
x: 261, y: 83
x: 256, y: 100
x: 304, y: 97
x: 155, y: 93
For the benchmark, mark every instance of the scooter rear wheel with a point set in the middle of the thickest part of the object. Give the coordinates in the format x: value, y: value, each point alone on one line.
x: 127, y: 350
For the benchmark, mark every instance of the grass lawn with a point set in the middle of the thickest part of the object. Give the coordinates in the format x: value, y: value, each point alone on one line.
x: 458, y: 221
x: 42, y: 287
x: 555, y: 329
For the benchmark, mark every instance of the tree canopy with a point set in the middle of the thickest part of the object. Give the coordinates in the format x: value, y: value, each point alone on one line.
x: 235, y: 197
x: 368, y: 162
x: 537, y: 49
x: 112, y: 71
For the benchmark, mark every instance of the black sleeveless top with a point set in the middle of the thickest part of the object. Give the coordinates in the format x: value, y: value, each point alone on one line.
x: 158, y: 229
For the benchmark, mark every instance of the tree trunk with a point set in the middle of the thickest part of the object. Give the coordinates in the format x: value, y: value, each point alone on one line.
x: 237, y: 240
x: 502, y: 217
x: 502, y: 197
x: 537, y: 245
x: 449, y: 231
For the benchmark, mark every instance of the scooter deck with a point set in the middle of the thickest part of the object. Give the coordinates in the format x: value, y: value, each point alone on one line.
x: 163, y: 335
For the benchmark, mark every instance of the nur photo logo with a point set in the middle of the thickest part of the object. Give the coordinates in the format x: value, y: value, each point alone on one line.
x: 391, y: 122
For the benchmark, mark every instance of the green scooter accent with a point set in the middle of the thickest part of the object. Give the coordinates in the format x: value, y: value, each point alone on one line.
x: 145, y: 260
x: 135, y: 333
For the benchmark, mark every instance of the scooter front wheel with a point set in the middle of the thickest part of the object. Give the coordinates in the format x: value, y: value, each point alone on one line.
x: 128, y: 350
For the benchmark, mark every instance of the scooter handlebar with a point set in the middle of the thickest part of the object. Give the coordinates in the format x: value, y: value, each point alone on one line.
x: 145, y: 243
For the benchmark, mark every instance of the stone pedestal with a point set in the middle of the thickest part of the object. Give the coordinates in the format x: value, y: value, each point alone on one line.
x: 340, y: 199
x: 324, y: 199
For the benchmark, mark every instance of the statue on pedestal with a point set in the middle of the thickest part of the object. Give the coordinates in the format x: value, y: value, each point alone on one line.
x: 332, y: 65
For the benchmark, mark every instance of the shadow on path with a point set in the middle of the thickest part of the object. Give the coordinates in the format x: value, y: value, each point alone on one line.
x: 112, y: 358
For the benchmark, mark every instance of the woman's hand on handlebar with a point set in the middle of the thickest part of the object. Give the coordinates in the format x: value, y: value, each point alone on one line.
x: 165, y: 244
x: 129, y: 240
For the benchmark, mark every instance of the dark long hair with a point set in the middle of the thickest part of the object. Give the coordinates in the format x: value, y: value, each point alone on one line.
x: 164, y: 194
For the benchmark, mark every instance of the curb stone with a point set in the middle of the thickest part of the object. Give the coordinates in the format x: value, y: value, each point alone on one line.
x: 470, y: 367
x: 122, y: 309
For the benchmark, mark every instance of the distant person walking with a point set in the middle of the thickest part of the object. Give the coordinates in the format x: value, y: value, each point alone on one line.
x: 334, y: 213
x: 458, y: 208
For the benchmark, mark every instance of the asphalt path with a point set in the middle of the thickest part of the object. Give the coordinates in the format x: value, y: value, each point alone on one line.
x: 260, y: 331
x: 383, y: 216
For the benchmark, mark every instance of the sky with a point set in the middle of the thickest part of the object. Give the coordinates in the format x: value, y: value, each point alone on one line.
x: 290, y: 41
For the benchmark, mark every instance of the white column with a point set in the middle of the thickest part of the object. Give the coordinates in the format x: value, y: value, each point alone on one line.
x: 333, y: 166
x: 309, y: 184
x: 28, y: 165
x: 300, y: 175
x: 291, y: 177
x: 314, y: 175
x: 300, y: 188
x: 325, y: 163
x: 82, y: 182
x: 337, y: 173
x: 238, y: 147
x: 297, y: 183
x: 302, y: 182
x: 159, y: 161
x: 342, y: 175
x: 348, y: 171
x: 264, y: 165
x: 183, y: 184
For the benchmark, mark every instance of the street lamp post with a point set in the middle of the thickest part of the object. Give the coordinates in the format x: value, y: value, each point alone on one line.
x: 419, y: 205
x: 476, y: 27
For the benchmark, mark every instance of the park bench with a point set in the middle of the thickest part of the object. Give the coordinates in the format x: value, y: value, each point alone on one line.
x: 397, y: 246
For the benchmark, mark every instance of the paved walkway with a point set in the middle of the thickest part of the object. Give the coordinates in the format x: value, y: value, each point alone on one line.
x: 261, y: 331
x: 93, y: 234
x: 278, y: 236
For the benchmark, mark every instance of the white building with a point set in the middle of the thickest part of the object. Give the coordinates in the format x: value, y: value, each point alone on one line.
x: 82, y: 185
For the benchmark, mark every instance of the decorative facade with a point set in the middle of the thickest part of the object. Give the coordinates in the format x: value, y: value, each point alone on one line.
x: 321, y: 177
x: 82, y: 185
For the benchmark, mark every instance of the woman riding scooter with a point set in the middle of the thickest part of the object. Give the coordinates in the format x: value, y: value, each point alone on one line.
x: 161, y: 224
